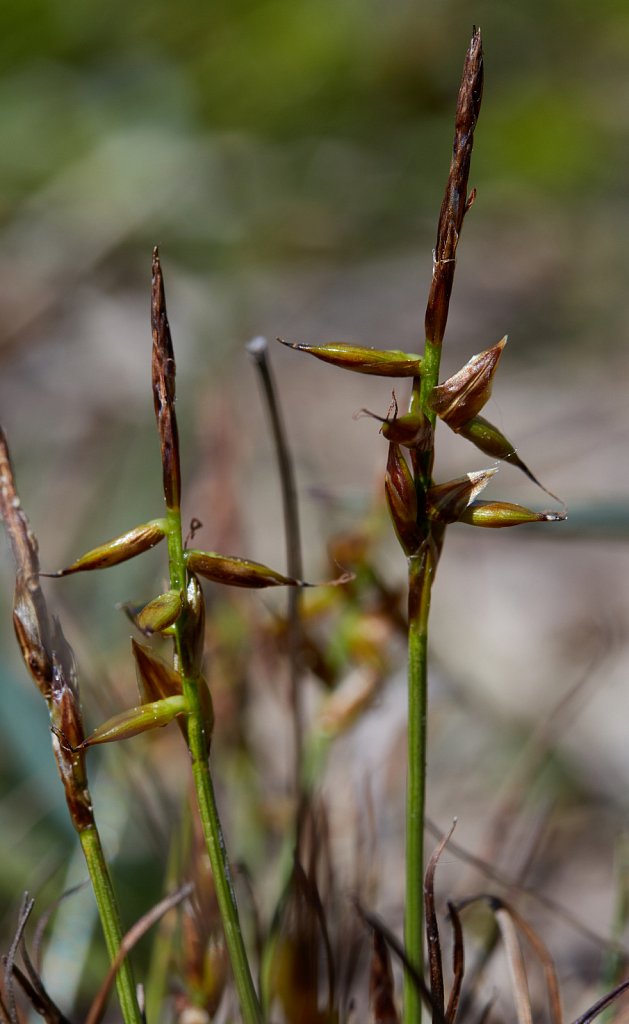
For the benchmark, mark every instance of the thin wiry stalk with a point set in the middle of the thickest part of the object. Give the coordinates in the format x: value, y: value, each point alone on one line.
x: 188, y: 635
x: 258, y: 348
x: 422, y: 565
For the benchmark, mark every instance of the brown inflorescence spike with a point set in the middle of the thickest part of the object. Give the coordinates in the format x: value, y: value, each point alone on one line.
x: 455, y: 201
x: 163, y: 378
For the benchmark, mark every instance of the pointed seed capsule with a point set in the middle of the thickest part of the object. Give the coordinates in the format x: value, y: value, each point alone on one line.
x: 120, y: 549
x: 446, y: 502
x: 402, y: 500
x: 374, y: 361
x: 498, y: 514
x: 236, y: 572
x: 411, y: 430
x: 136, y: 720
x: 160, y: 613
x: 463, y: 395
x: 157, y: 679
x: 492, y: 442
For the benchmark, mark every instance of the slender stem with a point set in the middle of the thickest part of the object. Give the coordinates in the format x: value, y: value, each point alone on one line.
x: 421, y: 569
x: 110, y: 920
x: 258, y: 348
x: 420, y: 573
x: 422, y: 566
x: 198, y: 744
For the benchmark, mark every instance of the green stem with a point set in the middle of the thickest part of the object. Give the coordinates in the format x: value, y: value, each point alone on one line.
x: 429, y: 380
x: 420, y: 572
x: 110, y: 921
x: 198, y: 745
x: 420, y: 575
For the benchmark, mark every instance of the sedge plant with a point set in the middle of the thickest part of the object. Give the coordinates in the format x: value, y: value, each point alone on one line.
x: 420, y: 508
x: 175, y: 690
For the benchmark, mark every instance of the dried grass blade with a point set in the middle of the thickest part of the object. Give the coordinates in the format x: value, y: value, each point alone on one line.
x: 9, y: 960
x: 561, y: 912
x: 376, y: 924
x: 458, y: 964
x: 602, y: 1004
x: 515, y: 961
x: 546, y: 960
x: 432, y: 926
x: 36, y: 994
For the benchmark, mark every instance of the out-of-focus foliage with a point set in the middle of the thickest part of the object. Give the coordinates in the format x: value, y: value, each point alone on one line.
x: 308, y: 100
x: 289, y: 156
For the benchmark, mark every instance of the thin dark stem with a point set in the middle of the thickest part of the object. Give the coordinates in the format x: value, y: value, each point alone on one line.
x: 259, y: 350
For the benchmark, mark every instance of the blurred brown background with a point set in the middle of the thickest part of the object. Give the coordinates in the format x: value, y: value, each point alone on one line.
x: 289, y: 159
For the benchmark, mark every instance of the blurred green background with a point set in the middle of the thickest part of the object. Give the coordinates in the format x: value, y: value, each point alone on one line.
x: 289, y: 157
